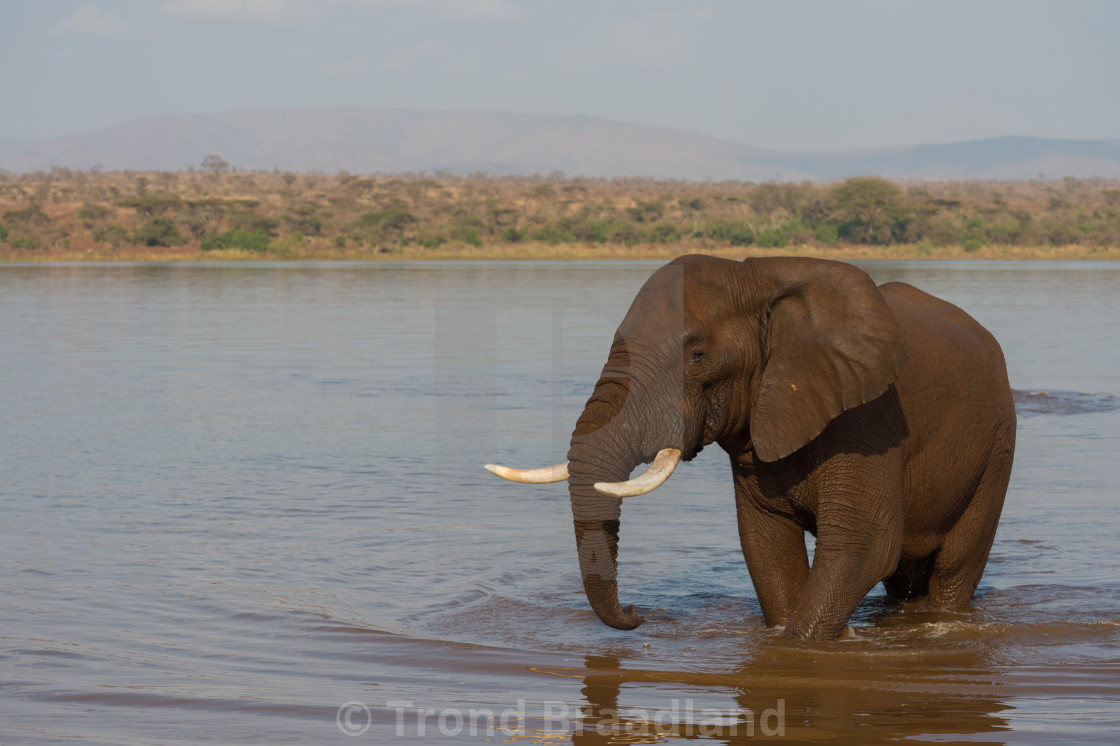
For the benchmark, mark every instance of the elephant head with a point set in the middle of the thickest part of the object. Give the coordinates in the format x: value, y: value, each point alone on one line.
x: 757, y: 355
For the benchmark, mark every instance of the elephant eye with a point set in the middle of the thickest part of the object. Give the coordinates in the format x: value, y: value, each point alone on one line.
x: 697, y: 357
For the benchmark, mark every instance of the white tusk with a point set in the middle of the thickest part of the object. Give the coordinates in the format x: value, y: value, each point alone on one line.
x: 547, y: 475
x: 652, y: 478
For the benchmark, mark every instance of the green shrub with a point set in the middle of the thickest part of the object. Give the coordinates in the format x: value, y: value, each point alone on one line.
x: 741, y: 234
x: 1060, y: 233
x: 971, y: 244
x: 30, y: 217
x: 827, y: 234
x: 772, y: 238
x: 3, y: 232
x: 547, y: 233
x: 93, y: 213
x: 158, y: 232
x: 114, y: 235
x: 1006, y: 232
x: 251, y: 222
x: 430, y: 239
x: 625, y: 232
x: 151, y: 205
x: 797, y: 232
x: 598, y: 231
x: 194, y: 224
x: 256, y: 240
x: 392, y: 219
x: 664, y: 231
x: 340, y: 241
x: 468, y: 234
x: 25, y: 243
x: 382, y: 226
x: 289, y: 246
x: 646, y: 212
x: 306, y: 221
x: 940, y: 230
x: 512, y: 235
x: 735, y: 232
x: 580, y: 229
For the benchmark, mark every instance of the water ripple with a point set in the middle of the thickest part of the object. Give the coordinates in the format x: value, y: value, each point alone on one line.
x: 1028, y: 403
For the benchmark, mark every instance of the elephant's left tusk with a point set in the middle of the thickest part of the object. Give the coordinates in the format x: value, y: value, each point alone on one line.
x: 652, y: 478
x: 547, y: 475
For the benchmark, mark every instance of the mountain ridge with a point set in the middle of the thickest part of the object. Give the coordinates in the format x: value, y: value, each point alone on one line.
x: 361, y: 140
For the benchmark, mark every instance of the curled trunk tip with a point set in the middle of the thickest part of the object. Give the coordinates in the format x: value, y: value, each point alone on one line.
x: 597, y: 543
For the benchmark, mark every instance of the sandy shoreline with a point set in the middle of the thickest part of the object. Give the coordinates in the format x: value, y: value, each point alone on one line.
x: 545, y: 252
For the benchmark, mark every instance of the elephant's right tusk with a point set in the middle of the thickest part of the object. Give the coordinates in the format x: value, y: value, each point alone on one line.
x: 547, y: 475
x: 652, y: 478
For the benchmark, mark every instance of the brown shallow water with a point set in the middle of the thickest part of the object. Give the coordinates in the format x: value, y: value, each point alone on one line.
x: 245, y: 504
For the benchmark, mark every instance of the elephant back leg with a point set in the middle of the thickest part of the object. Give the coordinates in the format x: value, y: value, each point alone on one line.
x: 959, y: 564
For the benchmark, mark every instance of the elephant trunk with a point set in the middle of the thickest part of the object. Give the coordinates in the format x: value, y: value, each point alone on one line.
x: 607, y: 443
x: 596, y: 519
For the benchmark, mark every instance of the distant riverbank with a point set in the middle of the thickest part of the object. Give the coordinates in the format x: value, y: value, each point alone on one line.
x: 567, y: 252
x: 224, y: 215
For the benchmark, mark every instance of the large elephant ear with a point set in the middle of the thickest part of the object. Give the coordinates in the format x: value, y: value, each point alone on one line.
x: 831, y: 343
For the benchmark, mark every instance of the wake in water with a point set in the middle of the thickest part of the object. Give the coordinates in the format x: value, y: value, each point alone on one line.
x: 1028, y: 403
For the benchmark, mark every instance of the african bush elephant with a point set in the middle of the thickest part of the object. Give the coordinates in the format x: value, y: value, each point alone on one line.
x: 879, y: 419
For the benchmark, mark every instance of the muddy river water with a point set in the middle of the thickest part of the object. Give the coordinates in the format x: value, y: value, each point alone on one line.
x: 245, y: 503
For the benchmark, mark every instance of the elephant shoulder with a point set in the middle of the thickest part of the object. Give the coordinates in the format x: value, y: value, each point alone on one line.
x: 902, y: 290
x: 937, y: 326
x: 911, y: 304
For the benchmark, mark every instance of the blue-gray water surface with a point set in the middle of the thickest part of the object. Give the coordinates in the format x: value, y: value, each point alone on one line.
x: 245, y: 503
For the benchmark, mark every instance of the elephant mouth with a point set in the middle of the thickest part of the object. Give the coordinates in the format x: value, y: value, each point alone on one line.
x: 709, y: 433
x: 687, y: 454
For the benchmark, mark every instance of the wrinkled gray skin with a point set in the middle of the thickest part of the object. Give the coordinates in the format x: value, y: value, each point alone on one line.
x: 879, y: 419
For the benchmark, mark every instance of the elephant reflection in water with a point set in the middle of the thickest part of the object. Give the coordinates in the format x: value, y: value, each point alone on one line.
x: 605, y: 721
x: 794, y: 699
x: 879, y: 419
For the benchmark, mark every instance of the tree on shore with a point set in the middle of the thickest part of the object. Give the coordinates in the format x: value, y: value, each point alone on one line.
x: 865, y: 201
x: 215, y: 164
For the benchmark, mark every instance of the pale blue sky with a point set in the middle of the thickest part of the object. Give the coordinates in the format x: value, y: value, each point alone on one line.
x: 784, y: 75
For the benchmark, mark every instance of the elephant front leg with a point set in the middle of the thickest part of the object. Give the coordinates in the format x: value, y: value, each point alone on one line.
x: 851, y: 556
x: 774, y: 548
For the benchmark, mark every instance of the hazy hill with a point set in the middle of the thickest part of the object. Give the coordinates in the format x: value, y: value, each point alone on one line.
x: 393, y: 141
x: 1006, y: 158
x: 10, y: 148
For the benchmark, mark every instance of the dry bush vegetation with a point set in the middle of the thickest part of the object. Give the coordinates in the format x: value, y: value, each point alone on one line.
x: 68, y: 214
